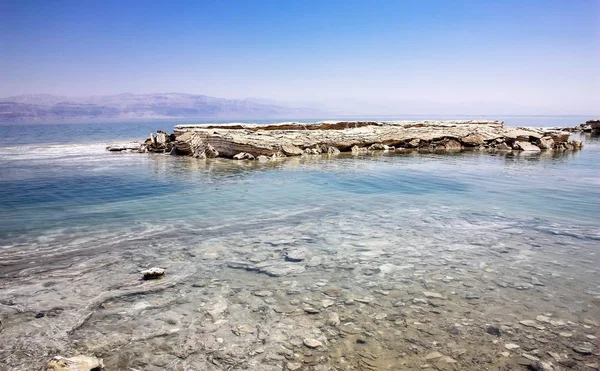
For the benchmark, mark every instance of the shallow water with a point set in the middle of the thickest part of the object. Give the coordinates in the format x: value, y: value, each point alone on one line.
x: 498, y: 238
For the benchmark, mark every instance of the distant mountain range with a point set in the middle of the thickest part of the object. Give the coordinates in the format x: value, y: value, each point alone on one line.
x: 43, y: 107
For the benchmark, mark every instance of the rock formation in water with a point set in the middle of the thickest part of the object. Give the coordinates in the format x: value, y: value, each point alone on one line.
x: 249, y: 141
x: 590, y: 126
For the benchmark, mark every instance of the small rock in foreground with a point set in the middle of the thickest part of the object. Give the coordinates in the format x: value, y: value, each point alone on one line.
x: 312, y: 343
x: 153, y: 273
x: 295, y: 255
x: 77, y: 363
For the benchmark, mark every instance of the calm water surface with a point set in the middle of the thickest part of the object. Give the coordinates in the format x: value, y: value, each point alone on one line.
x: 64, y: 199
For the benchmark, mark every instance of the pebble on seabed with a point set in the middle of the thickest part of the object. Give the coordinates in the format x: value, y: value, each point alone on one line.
x: 152, y: 273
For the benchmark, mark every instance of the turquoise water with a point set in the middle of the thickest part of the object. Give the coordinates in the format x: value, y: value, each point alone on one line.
x: 54, y: 189
x: 88, y: 221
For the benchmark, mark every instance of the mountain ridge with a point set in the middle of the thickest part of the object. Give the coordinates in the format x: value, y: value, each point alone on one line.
x: 40, y: 107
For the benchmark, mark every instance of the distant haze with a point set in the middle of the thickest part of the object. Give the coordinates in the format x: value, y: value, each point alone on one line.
x: 280, y: 57
x: 44, y: 107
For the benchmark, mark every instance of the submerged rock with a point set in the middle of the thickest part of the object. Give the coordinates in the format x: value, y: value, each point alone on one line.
x: 295, y: 255
x: 243, y: 156
x: 291, y: 150
x: 526, y: 146
x: 77, y: 363
x: 312, y: 343
x: 152, y: 273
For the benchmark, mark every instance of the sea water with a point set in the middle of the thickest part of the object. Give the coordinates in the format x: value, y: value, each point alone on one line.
x: 502, y: 237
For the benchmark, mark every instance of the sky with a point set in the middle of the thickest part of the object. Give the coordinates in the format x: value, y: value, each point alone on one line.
x: 525, y: 56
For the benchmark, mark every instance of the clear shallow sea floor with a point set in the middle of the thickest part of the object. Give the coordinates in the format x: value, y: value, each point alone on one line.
x: 413, y: 261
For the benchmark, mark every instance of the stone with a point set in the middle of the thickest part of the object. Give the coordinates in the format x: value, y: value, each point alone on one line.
x: 312, y: 343
x: 544, y: 319
x: 430, y: 294
x: 333, y: 319
x: 244, y: 329
x: 279, y: 269
x: 77, y: 363
x: 326, y: 303
x: 376, y: 147
x: 503, y: 146
x: 153, y: 273
x: 357, y: 149
x: 590, y: 322
x: 333, y: 293
x: 205, y: 151
x: 297, y: 255
x: 532, y: 323
x: 526, y: 146
x: 536, y: 282
x: 568, y: 363
x: 511, y: 346
x: 523, y: 286
x: 545, y: 143
x: 539, y: 365
x: 433, y: 355
x: 243, y: 156
x: 284, y: 309
x: 262, y: 158
x: 291, y: 150
x: 447, y: 359
x: 582, y: 349
x: 493, y: 330
x: 472, y: 140
x: 311, y: 310
x: 262, y: 293
x: 218, y: 308
x: 560, y: 137
x: 333, y: 151
x: 293, y: 366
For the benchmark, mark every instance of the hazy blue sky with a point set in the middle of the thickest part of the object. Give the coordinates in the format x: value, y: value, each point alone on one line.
x: 503, y: 54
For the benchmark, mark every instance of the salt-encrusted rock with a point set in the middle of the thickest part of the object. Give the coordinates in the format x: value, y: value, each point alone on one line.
x: 77, y: 363
x: 243, y: 156
x: 291, y: 150
x: 357, y: 149
x: 312, y: 343
x: 333, y: 319
x: 333, y: 151
x: 472, y: 140
x: 413, y: 143
x: 205, y: 150
x: 132, y: 146
x: 502, y: 146
x: 560, y: 137
x: 377, y: 147
x: 295, y: 255
x: 545, y: 143
x: 159, y: 142
x: 153, y: 273
x: 248, y: 141
x: 526, y: 146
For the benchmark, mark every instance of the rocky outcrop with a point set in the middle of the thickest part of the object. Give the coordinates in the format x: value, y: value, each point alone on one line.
x: 250, y: 142
x: 590, y: 126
